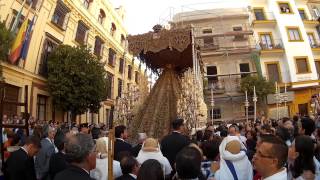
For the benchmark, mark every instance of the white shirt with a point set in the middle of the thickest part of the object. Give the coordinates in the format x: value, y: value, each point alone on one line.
x: 101, y: 170
x: 282, y: 175
x: 157, y: 155
x: 134, y: 176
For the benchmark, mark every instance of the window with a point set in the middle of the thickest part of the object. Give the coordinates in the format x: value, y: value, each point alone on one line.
x: 302, y: 65
x: 259, y: 14
x: 109, y: 85
x: 61, y: 15
x: 108, y: 117
x: 48, y: 46
x: 285, y: 8
x: 312, y: 40
x: 101, y: 16
x: 34, y: 3
x: 121, y: 65
x: 123, y: 40
x: 14, y: 16
x: 273, y: 72
x: 129, y: 71
x: 240, y: 36
x: 11, y: 94
x: 112, y: 57
x: 303, y: 109
x: 251, y: 110
x: 119, y: 87
x: 294, y: 34
x: 206, y: 31
x: 41, y: 107
x: 98, y: 46
x: 113, y: 29
x: 302, y: 14
x: 215, y: 113
x: 136, y: 77
x: 244, y: 69
x: 266, y: 41
x: 86, y: 3
x: 212, y: 71
x: 82, y: 33
x: 317, y: 63
x: 208, y: 42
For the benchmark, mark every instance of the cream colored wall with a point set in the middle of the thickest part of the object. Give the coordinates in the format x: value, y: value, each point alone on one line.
x: 20, y: 77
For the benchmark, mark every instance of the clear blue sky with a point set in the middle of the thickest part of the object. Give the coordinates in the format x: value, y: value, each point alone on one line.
x: 142, y: 15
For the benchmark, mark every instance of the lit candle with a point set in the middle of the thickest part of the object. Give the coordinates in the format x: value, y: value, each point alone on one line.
x: 246, y: 95
x: 285, y: 87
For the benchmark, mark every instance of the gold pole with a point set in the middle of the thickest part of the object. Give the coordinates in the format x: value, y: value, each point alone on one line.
x: 110, y: 153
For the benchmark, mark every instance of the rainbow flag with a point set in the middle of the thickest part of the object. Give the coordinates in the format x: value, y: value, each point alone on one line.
x: 16, y: 48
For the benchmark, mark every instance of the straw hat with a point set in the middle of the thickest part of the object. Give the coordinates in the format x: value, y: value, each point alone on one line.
x: 150, y: 145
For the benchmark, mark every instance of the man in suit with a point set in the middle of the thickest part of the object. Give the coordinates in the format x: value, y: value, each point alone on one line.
x: 80, y: 152
x: 120, y: 145
x: 20, y: 164
x: 47, y: 150
x: 174, y: 142
x: 58, y: 161
x: 136, y: 149
x: 130, y: 168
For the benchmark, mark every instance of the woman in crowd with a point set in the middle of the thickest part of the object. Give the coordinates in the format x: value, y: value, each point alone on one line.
x: 101, y: 173
x: 150, y: 170
x: 302, y: 163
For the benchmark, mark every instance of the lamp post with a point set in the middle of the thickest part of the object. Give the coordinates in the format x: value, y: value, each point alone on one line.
x: 255, y: 99
x: 212, y: 104
x: 246, y: 104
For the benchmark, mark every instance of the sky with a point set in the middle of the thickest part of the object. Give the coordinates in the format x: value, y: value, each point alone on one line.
x: 142, y: 15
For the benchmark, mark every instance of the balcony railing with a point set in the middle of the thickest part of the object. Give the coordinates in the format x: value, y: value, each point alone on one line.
x: 276, y: 44
x: 266, y: 16
x: 225, y: 83
x: 315, y: 44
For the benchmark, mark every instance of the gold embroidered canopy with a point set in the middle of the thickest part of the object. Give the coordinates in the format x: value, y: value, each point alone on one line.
x: 160, y: 48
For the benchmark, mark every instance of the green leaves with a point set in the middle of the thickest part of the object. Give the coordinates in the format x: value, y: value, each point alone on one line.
x: 6, y: 39
x: 263, y: 87
x: 76, y: 79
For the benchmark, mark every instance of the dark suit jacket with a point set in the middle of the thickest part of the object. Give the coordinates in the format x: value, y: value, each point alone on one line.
x: 20, y: 166
x: 120, y: 146
x: 172, y: 144
x: 57, y: 164
x: 43, y: 158
x: 125, y: 177
x: 136, y: 149
x: 73, y: 173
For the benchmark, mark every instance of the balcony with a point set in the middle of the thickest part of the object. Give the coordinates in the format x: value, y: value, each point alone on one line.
x: 261, y: 19
x: 276, y: 46
x: 222, y: 84
x: 315, y: 46
x: 311, y: 21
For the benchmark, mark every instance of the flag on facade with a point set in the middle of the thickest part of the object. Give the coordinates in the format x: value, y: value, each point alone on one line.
x: 27, y: 39
x: 16, y: 48
x: 17, y: 19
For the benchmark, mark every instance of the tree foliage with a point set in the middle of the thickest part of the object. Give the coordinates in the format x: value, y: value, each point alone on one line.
x: 6, y: 39
x: 76, y: 79
x: 263, y: 87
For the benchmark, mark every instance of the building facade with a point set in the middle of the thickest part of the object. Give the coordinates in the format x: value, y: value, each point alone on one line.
x: 276, y: 39
x: 225, y: 40
x: 287, y: 34
x: 94, y: 23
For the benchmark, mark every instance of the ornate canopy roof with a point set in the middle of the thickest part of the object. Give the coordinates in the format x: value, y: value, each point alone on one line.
x: 160, y: 48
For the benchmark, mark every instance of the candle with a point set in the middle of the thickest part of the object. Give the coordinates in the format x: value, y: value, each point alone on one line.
x: 276, y: 84
x: 285, y: 87
x: 254, y: 91
x: 246, y: 95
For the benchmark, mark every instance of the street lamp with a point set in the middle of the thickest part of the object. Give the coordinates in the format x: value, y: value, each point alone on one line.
x: 246, y: 104
x: 212, y: 103
x: 255, y: 99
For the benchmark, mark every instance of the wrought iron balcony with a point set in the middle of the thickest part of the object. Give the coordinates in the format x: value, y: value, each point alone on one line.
x: 275, y: 44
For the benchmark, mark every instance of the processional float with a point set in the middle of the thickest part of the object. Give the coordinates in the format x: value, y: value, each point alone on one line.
x: 178, y: 92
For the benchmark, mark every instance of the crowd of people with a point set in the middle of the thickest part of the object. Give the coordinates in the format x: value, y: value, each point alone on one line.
x: 269, y: 150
